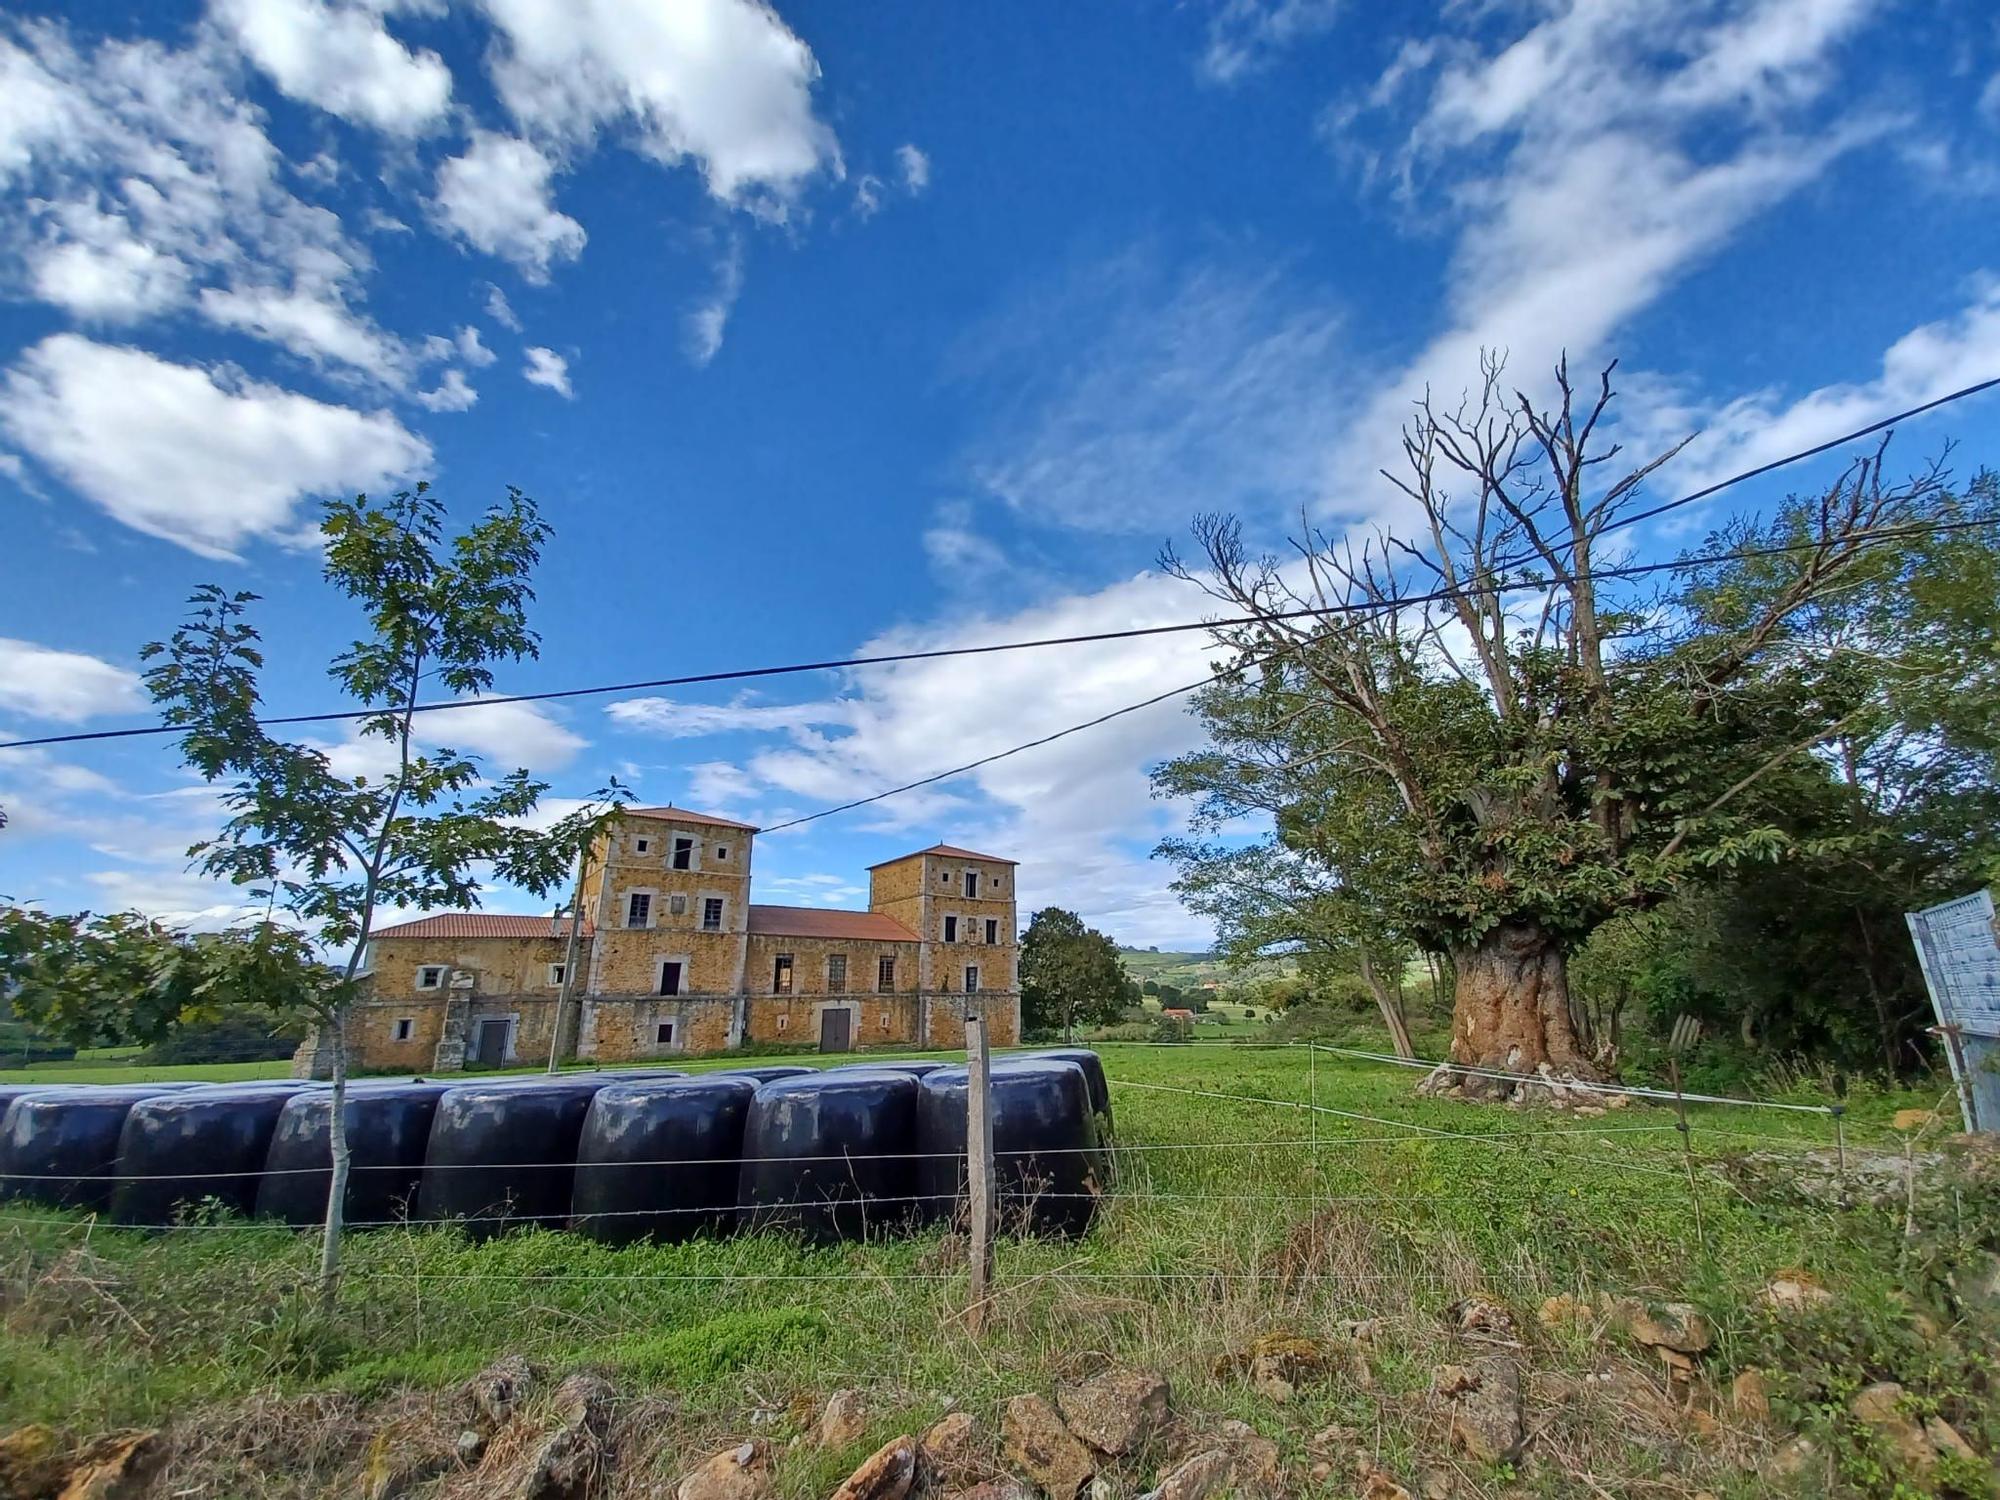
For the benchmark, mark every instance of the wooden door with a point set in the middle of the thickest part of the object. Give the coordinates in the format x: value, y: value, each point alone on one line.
x: 492, y: 1043
x: 836, y: 1030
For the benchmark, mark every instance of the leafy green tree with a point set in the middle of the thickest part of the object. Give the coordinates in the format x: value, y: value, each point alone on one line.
x: 1150, y: 987
x: 1494, y: 747
x: 426, y: 829
x: 1070, y: 973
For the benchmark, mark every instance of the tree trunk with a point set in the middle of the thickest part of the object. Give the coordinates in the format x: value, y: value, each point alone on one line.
x: 336, y: 1195
x: 1390, y: 1003
x: 1510, y: 1008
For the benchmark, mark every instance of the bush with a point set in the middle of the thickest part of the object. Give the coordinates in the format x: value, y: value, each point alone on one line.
x: 239, y: 1034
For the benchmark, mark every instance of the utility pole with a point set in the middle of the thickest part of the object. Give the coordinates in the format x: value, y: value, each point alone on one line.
x: 569, y: 958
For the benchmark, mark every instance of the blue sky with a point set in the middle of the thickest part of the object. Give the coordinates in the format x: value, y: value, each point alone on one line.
x: 823, y: 328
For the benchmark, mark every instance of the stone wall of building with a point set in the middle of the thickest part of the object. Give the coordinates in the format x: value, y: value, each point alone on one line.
x: 874, y: 1020
x: 498, y: 965
x: 617, y: 1030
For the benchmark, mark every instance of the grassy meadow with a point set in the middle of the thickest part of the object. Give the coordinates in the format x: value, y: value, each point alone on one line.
x: 1227, y: 1218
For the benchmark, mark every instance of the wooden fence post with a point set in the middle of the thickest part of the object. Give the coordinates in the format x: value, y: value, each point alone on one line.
x: 979, y: 1161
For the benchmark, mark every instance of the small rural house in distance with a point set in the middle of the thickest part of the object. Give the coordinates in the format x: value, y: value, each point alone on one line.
x: 674, y: 958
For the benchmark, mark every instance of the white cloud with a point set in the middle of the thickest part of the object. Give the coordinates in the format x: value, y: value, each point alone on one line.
x: 451, y: 394
x: 1676, y: 126
x: 915, y: 167
x: 496, y: 197
x: 867, y: 195
x: 341, y: 57
x: 724, y: 82
x: 674, y: 720
x: 499, y: 310
x: 957, y: 550
x: 506, y: 735
x: 471, y: 350
x: 95, y: 268
x: 1247, y: 36
x: 702, y: 330
x: 1218, y: 387
x: 198, y: 457
x: 315, y: 325
x: 66, y: 686
x: 715, y: 786
x: 547, y: 368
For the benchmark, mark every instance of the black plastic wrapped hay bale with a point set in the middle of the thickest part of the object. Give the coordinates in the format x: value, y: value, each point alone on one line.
x: 1048, y: 1168
x: 388, y: 1133
x: 503, y: 1153
x: 59, y: 1145
x: 829, y: 1156
x: 914, y: 1069
x: 659, y: 1160
x: 769, y: 1074
x: 1093, y: 1072
x: 181, y: 1149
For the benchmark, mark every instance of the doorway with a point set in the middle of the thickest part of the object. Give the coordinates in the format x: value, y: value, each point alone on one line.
x: 492, y: 1050
x: 670, y: 977
x: 836, y: 1029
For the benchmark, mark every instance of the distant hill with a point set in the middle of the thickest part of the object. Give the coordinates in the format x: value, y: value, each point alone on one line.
x: 1191, y: 970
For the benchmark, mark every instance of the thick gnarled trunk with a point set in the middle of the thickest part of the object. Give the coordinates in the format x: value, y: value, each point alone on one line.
x: 1511, y: 1010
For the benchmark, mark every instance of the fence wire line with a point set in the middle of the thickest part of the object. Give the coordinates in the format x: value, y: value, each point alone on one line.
x: 1636, y: 1091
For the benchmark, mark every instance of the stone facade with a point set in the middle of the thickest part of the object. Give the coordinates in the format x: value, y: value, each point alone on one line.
x: 674, y: 959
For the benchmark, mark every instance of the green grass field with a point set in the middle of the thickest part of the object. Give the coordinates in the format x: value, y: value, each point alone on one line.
x: 1227, y: 1218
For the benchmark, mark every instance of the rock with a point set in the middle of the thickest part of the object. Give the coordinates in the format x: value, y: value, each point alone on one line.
x: 1750, y: 1396
x: 955, y: 1444
x: 1617, y: 1101
x: 1676, y: 1326
x: 1482, y: 1317
x: 1102, y: 1488
x: 1291, y: 1357
x: 1035, y: 1440
x: 1205, y: 1474
x: 1565, y: 1311
x: 30, y: 1462
x: 1486, y: 1414
x: 1795, y: 1291
x: 1880, y: 1408
x: 1679, y: 1366
x: 1376, y: 1485
x: 1977, y: 1285
x: 1005, y: 1488
x: 739, y: 1473
x: 1912, y: 1119
x: 886, y: 1474
x: 1792, y: 1460
x: 497, y: 1391
x: 116, y: 1467
x: 1946, y: 1442
x: 584, y: 1400
x: 566, y: 1465
x: 470, y: 1447
x: 1453, y: 1381
x: 1116, y: 1410
x: 844, y: 1420
x: 1436, y: 1485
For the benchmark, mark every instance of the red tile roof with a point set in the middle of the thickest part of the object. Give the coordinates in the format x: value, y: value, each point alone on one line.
x: 949, y: 851
x: 682, y: 815
x: 479, y: 924
x: 823, y: 922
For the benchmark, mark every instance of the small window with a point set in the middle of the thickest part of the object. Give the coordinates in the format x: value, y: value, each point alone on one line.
x: 951, y: 929
x: 885, y: 975
x: 972, y: 882
x: 836, y: 973
x: 722, y: 854
x: 781, y: 975
x: 683, y: 854
x: 404, y: 1028
x: 677, y: 906
x: 430, y: 976
x: 664, y: 1034
x: 642, y: 846
x: 992, y: 929
x: 556, y: 972
x: 972, y: 979
x: 670, y: 976
x: 944, y: 877
x: 885, y: 1020
x: 638, y: 910
x: 711, y: 914
x: 783, y: 1022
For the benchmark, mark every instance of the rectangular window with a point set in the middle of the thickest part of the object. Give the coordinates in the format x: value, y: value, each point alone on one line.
x: 670, y: 976
x: 836, y: 973
x: 781, y: 974
x: 664, y: 1034
x: 641, y: 846
x: 885, y: 975
x: 951, y: 929
x: 992, y: 929
x: 677, y: 906
x: 783, y: 1022
x: 711, y: 914
x: 403, y: 1029
x: 885, y: 1020
x: 683, y: 854
x: 972, y: 882
x: 638, y: 910
x: 555, y: 976
x: 430, y: 977
x: 722, y: 854
x: 972, y: 979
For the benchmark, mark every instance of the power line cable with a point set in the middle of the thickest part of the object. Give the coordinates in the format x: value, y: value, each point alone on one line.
x: 744, y: 674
